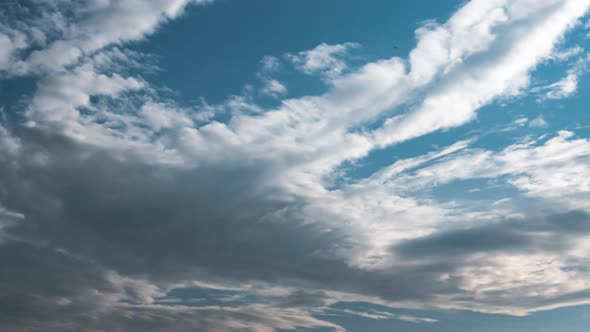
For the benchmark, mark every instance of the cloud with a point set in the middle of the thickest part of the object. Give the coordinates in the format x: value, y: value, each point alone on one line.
x: 506, y: 236
x: 567, y: 53
x: 60, y: 96
x: 113, y: 196
x: 74, y: 294
x: 497, y: 255
x: 68, y: 32
x: 563, y: 88
x: 10, y: 42
x: 375, y: 314
x: 324, y: 58
x: 481, y: 77
x: 161, y: 116
x: 270, y: 64
x: 567, y: 86
x: 555, y: 170
x: 538, y: 122
x: 274, y: 88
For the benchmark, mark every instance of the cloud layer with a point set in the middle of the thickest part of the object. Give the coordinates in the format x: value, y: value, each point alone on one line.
x: 117, y: 202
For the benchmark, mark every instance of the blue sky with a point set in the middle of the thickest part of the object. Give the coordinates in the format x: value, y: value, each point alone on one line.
x: 225, y: 165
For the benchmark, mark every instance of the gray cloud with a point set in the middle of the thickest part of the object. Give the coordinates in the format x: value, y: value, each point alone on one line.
x: 170, y: 225
x: 550, y: 232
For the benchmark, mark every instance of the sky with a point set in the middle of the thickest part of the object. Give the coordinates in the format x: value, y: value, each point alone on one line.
x: 263, y: 165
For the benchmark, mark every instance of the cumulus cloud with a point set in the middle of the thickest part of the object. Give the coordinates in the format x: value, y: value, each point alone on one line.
x: 270, y: 64
x: 273, y: 87
x: 324, y: 58
x: 10, y: 42
x: 538, y: 122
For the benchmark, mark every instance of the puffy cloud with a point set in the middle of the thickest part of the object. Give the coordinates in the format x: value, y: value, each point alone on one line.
x: 270, y: 64
x: 162, y: 116
x: 538, y: 122
x: 273, y: 87
x: 60, y: 96
x: 324, y: 58
x: 10, y: 42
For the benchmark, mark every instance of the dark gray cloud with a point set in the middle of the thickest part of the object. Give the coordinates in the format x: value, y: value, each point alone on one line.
x: 550, y: 232
x: 170, y: 223
x: 89, y: 213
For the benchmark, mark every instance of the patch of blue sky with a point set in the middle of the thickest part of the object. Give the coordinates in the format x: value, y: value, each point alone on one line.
x: 199, y: 296
x: 485, y: 191
x: 575, y: 318
x: 214, y: 51
x: 14, y: 93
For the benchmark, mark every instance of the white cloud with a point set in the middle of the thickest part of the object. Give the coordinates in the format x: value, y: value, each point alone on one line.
x: 270, y: 64
x: 556, y: 171
x: 316, y: 129
x: 567, y: 53
x: 305, y: 139
x: 161, y: 116
x: 375, y: 314
x: 88, y: 29
x: 563, y: 88
x: 60, y: 96
x: 567, y: 86
x: 538, y: 122
x: 11, y: 41
x: 273, y: 87
x: 325, y: 59
x: 486, y: 78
